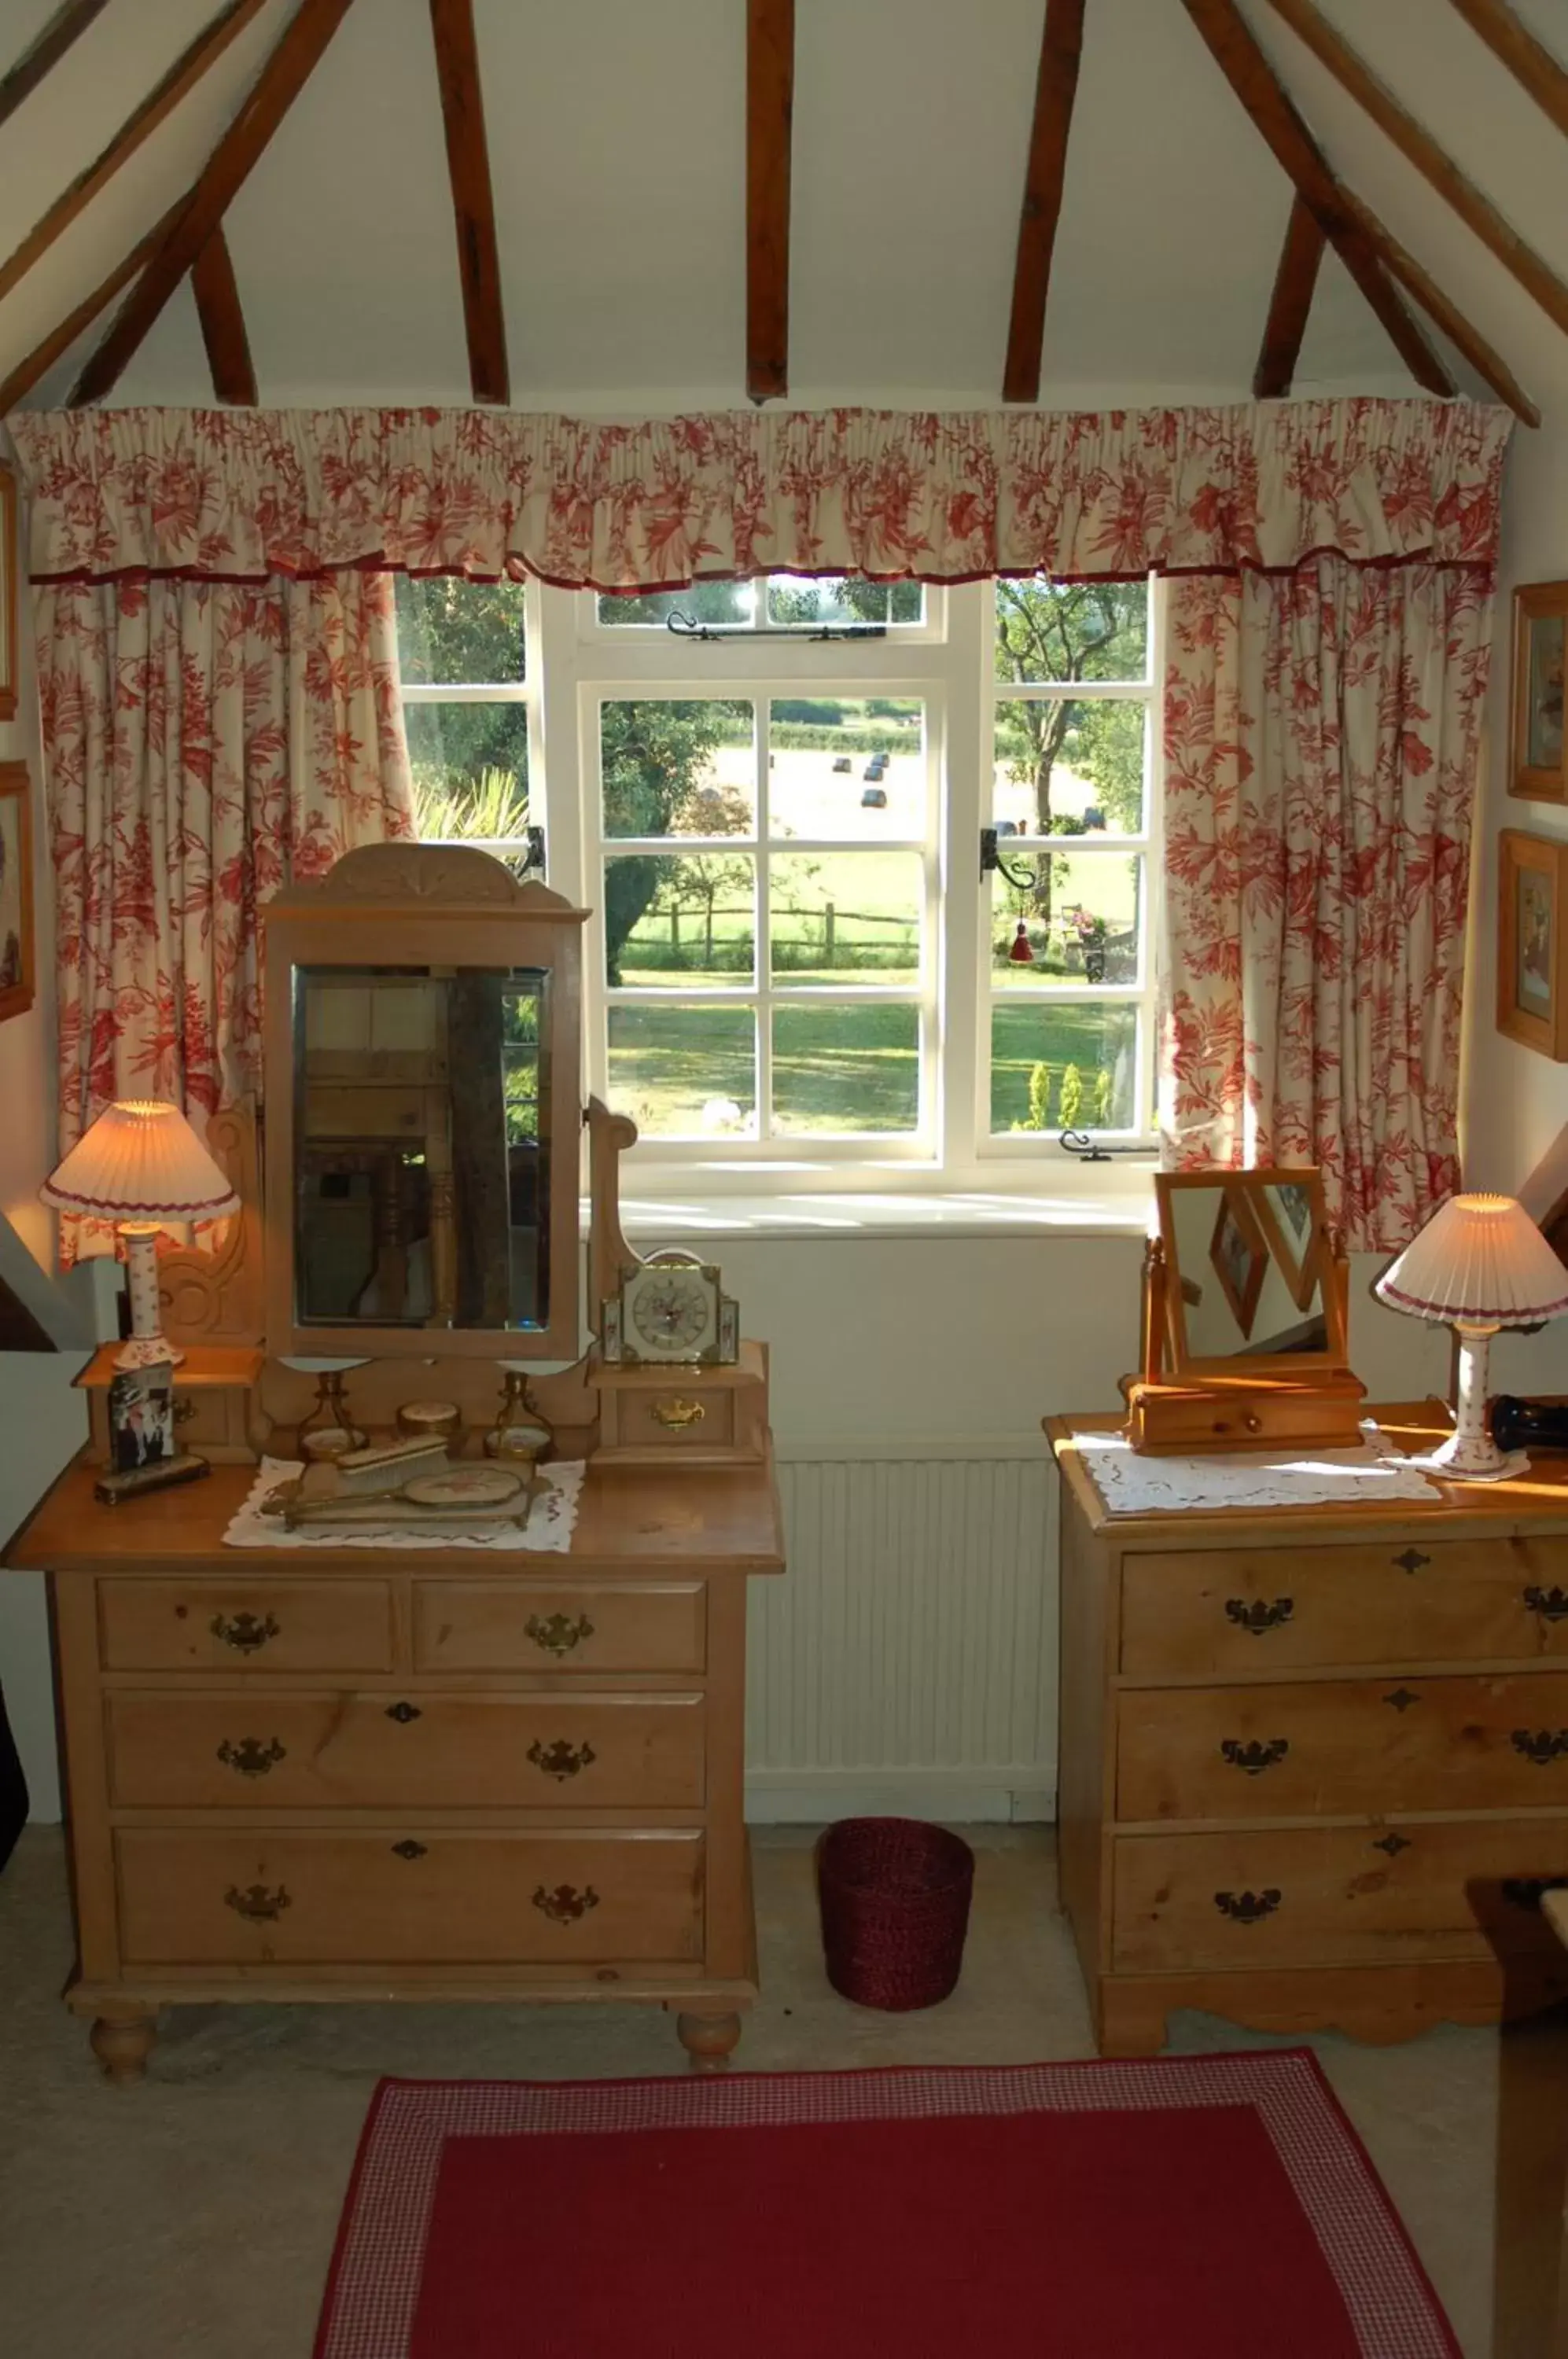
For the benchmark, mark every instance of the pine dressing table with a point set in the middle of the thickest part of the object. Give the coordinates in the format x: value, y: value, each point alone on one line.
x: 325, y: 1772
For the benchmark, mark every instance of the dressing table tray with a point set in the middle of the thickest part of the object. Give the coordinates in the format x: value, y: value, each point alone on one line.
x: 415, y: 1774
x: 1314, y: 1760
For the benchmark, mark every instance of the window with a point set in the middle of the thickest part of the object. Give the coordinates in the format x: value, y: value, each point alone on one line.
x: 770, y: 797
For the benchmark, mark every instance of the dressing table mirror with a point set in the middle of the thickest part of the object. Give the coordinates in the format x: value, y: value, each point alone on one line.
x: 1244, y: 1331
x: 424, y: 1126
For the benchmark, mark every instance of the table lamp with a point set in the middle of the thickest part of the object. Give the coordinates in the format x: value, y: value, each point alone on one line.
x: 139, y: 1166
x: 1480, y: 1264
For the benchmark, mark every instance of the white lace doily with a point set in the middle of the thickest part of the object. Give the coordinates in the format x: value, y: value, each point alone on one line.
x: 548, y: 1527
x: 1133, y: 1484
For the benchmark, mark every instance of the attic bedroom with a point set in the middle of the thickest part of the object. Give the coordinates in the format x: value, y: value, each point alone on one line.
x: 783, y: 1178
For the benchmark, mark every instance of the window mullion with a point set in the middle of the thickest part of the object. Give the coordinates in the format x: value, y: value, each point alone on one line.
x: 762, y: 924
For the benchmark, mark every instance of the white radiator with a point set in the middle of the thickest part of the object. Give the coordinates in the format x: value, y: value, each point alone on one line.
x: 906, y: 1662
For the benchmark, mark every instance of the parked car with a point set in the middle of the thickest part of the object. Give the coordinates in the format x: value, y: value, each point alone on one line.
x: 874, y: 798
x: 875, y: 767
x: 843, y: 763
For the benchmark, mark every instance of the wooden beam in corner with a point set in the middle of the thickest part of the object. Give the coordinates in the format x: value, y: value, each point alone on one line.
x: 1056, y: 87
x: 36, y: 366
x: 192, y: 63
x: 472, y: 199
x: 1529, y: 61
x: 1261, y: 93
x: 1487, y: 365
x: 1431, y: 160
x: 217, y: 294
x: 45, y: 50
x: 1295, y: 283
x: 244, y: 142
x: 769, y: 106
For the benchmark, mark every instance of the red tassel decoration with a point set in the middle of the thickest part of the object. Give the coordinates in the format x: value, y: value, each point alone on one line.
x: 1020, y: 954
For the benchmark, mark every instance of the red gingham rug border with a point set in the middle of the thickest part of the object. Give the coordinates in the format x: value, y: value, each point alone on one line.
x: 373, y: 2282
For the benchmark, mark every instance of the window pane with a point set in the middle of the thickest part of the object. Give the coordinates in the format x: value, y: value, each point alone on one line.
x: 672, y: 922
x: 1081, y: 921
x: 1064, y: 766
x: 687, y: 1073
x: 829, y: 601
x: 471, y: 770
x: 462, y: 633
x: 1058, y: 1066
x: 714, y: 603
x: 847, y: 1069
x: 841, y: 916
x: 674, y: 768
x: 846, y: 767
x: 1071, y: 630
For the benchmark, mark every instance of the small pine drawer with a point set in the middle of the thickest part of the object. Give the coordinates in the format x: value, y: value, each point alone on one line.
x: 568, y: 1626
x: 254, y: 1625
x: 711, y: 1416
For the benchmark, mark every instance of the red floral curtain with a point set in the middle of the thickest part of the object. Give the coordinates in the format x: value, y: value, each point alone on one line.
x: 1321, y: 733
x: 203, y: 742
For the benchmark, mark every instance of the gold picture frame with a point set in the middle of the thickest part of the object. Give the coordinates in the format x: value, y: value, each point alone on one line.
x: 10, y: 594
x: 1532, y: 943
x: 1238, y: 1255
x: 1286, y: 1209
x: 18, y: 951
x: 1538, y: 739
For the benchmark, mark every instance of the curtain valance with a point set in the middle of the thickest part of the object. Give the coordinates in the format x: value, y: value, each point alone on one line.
x: 240, y: 495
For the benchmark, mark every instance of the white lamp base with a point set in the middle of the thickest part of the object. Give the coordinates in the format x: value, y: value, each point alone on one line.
x: 1470, y: 1454
x: 146, y: 1347
x: 1445, y: 1463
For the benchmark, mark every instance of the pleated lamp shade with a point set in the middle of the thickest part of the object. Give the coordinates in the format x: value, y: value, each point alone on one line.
x: 1480, y: 1259
x: 140, y: 1161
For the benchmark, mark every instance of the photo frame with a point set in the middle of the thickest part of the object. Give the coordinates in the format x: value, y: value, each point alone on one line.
x: 1238, y: 1254
x: 1284, y: 1207
x: 1532, y: 943
x: 10, y: 595
x: 1538, y: 737
x: 17, y: 950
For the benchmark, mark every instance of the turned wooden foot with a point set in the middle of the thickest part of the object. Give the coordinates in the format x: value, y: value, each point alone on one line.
x: 708, y: 2039
x: 123, y: 2044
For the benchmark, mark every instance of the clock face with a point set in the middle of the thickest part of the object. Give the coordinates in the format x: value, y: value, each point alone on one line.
x: 672, y: 1311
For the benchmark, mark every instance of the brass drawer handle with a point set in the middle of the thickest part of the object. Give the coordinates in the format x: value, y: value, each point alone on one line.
x: 403, y: 1713
x: 566, y: 1905
x: 678, y: 1415
x: 1392, y: 1843
x: 558, y: 1633
x: 561, y: 1760
x: 1247, y: 1908
x: 410, y: 1849
x: 1551, y: 1604
x: 1541, y: 1745
x: 255, y: 1903
x: 1529, y: 1891
x: 1411, y: 1561
x: 1254, y: 1758
x: 1258, y: 1617
x: 250, y: 1757
x: 245, y: 1632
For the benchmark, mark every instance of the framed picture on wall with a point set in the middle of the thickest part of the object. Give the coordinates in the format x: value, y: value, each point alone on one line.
x: 15, y: 891
x: 1532, y: 943
x: 10, y: 599
x: 1537, y: 748
x: 1238, y: 1256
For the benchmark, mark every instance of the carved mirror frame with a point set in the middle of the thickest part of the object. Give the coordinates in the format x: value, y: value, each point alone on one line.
x: 408, y: 905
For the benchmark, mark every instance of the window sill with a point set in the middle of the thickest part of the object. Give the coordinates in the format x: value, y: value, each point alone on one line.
x: 1079, y: 1201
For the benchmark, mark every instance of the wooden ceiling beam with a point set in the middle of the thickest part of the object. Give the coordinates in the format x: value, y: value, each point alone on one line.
x: 1255, y: 85
x: 1295, y: 283
x: 1487, y: 365
x: 216, y: 289
x: 769, y: 106
x: 1418, y: 148
x: 1056, y: 87
x: 1529, y: 61
x: 233, y: 158
x: 473, y: 198
x: 37, y: 363
x: 194, y: 62
x: 45, y: 50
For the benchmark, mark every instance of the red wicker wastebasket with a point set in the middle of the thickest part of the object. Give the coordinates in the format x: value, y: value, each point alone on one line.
x: 894, y: 1901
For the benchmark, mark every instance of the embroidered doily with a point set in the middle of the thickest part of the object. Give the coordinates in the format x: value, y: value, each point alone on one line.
x: 1133, y: 1484
x: 548, y: 1527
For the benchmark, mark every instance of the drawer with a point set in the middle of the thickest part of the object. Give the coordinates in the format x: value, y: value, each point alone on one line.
x: 252, y: 1750
x: 1213, y: 1612
x: 420, y: 1897
x: 245, y: 1625
x: 510, y: 1625
x: 1332, y: 1748
x: 1334, y: 1896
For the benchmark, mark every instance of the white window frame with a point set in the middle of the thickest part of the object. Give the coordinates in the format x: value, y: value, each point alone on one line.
x: 573, y: 662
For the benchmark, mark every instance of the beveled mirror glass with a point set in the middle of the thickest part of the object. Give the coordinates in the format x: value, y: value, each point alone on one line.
x: 1250, y: 1271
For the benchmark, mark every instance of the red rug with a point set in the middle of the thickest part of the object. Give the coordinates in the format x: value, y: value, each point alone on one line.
x: 1189, y: 2208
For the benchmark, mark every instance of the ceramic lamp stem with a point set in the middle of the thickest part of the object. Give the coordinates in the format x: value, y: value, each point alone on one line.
x: 146, y: 1346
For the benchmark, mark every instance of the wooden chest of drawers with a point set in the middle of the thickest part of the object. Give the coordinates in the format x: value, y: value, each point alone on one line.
x: 311, y: 1773
x: 1313, y: 1762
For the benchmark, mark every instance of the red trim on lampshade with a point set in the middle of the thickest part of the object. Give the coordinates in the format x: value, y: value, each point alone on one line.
x: 1510, y: 1318
x: 66, y: 1199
